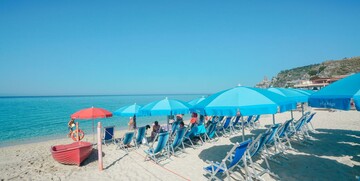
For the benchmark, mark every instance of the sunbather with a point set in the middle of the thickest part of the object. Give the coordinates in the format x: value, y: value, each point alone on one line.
x: 131, y: 123
x: 182, y: 124
x: 156, y: 130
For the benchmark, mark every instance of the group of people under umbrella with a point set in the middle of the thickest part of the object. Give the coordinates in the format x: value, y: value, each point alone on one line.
x: 244, y: 101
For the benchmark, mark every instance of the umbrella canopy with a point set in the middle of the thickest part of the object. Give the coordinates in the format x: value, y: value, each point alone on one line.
x: 338, y: 95
x: 91, y: 113
x: 290, y: 94
x: 247, y: 100
x: 196, y: 101
x: 165, y: 107
x: 128, y: 110
x: 303, y: 91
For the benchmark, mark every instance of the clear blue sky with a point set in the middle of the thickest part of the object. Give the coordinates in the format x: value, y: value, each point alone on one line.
x: 131, y: 47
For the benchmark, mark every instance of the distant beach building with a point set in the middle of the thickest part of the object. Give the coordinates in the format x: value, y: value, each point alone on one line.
x: 265, y: 83
x: 317, y: 83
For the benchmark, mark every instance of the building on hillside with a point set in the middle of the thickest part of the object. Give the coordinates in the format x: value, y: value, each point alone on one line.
x: 317, y: 83
x: 265, y: 83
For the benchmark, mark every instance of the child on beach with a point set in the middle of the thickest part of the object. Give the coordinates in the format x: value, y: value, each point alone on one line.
x: 71, y: 125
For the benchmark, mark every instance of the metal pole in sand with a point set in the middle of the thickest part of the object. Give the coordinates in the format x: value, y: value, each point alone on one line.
x: 77, y: 132
x: 243, y: 129
x: 302, y: 108
x: 99, y: 147
x: 273, y: 118
x: 292, y: 116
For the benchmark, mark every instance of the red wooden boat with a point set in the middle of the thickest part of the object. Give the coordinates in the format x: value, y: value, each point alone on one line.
x: 72, y: 154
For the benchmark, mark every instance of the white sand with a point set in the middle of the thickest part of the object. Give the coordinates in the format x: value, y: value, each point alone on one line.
x: 335, y: 155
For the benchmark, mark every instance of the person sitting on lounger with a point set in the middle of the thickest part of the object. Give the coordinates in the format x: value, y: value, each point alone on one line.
x: 131, y: 123
x: 156, y: 130
x: 181, y: 124
x: 193, y: 120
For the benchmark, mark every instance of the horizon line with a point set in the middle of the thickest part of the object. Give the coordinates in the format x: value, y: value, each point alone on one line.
x: 99, y: 95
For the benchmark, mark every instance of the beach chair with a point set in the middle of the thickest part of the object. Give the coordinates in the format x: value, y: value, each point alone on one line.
x: 258, y: 148
x: 200, y: 131
x: 227, y: 127
x: 174, y: 127
x: 282, y: 136
x: 273, y: 130
x: 124, y: 142
x: 161, y: 147
x: 272, y: 142
x: 255, y: 122
x: 236, y: 121
x: 108, y: 134
x: 309, y: 126
x: 238, y: 152
x: 247, y: 122
x: 178, y: 143
x: 211, y: 131
x: 140, y: 136
x: 295, y: 132
x: 187, y: 137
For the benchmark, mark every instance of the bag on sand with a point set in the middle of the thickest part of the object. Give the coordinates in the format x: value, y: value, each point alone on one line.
x: 144, y: 141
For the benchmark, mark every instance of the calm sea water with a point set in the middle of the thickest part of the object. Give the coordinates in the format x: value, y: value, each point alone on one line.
x: 25, y: 119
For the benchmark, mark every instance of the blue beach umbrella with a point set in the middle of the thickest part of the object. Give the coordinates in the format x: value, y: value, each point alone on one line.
x: 291, y: 94
x: 338, y: 95
x: 128, y: 110
x: 196, y: 101
x: 165, y: 107
x: 303, y: 91
x: 246, y: 100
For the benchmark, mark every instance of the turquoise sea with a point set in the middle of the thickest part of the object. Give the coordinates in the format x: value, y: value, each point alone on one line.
x: 28, y: 119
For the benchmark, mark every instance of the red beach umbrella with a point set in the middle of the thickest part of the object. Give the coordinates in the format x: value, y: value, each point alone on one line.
x: 91, y: 113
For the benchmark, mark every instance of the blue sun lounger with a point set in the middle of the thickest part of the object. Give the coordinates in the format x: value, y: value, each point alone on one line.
x: 140, y: 136
x: 226, y: 127
x: 108, y: 134
x: 238, y: 153
x: 177, y: 143
x: 161, y: 148
x: 258, y: 147
x: 211, y: 131
x: 124, y: 143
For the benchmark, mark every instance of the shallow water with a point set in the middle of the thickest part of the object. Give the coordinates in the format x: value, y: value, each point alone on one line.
x: 37, y: 118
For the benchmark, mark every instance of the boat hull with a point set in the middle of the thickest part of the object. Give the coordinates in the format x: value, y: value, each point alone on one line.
x: 72, y: 154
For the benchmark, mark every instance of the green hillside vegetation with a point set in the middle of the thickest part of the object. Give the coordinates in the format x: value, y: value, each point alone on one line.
x: 327, y: 69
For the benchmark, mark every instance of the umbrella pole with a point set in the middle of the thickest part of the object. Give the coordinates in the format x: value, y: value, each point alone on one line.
x: 243, y: 130
x: 93, y: 131
x: 77, y: 131
x: 273, y: 118
x: 100, y: 160
x: 167, y: 126
x: 292, y: 116
x: 302, y: 108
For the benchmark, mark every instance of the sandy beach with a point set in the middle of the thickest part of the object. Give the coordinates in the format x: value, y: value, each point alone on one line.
x: 333, y: 155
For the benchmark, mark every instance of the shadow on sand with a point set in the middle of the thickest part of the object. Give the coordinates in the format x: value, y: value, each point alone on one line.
x: 329, y: 142
x: 311, y: 167
x: 333, y: 142
x: 92, y: 158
